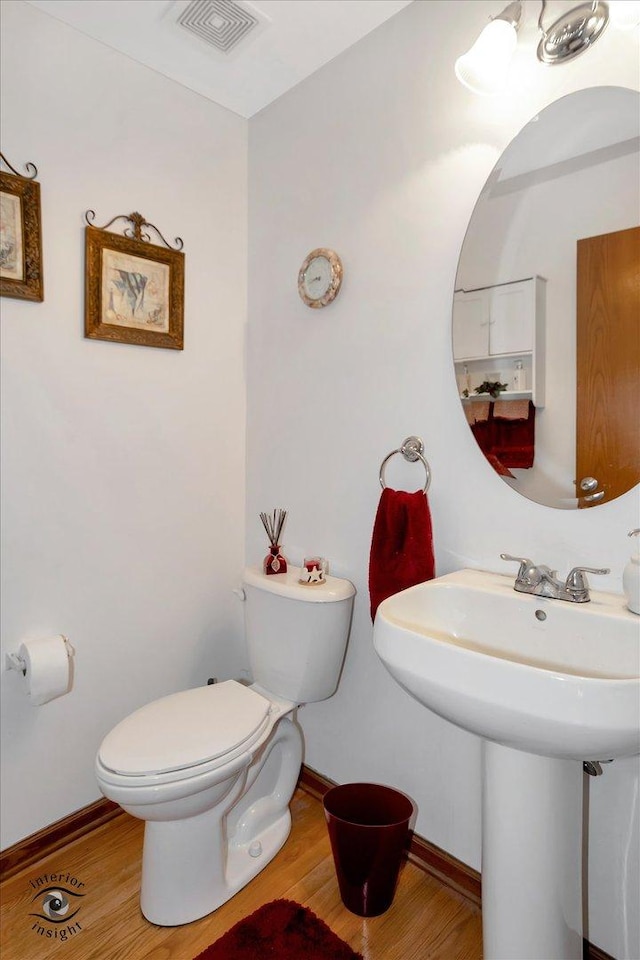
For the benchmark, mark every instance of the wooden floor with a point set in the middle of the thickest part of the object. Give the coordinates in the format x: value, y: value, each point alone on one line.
x: 427, y: 921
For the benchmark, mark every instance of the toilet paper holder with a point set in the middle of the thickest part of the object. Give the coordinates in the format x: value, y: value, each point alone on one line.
x: 13, y: 661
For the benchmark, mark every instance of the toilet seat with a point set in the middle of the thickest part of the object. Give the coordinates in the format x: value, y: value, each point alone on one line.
x: 185, y: 734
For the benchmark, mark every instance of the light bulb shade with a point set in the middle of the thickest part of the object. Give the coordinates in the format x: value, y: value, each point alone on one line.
x: 483, y: 68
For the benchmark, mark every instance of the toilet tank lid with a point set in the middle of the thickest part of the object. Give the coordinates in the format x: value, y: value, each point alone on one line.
x: 184, y: 729
x: 287, y: 585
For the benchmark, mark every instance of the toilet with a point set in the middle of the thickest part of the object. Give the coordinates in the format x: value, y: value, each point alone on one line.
x: 212, y: 770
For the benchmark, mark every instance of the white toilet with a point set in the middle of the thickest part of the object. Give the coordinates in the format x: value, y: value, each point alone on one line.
x: 212, y: 770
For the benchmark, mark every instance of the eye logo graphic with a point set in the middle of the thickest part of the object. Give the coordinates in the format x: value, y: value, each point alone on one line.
x: 56, y: 904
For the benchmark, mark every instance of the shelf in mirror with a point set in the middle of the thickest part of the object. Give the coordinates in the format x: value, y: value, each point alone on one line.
x: 505, y: 395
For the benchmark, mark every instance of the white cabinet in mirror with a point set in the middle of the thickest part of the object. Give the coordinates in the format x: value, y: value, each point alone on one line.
x: 498, y: 335
x: 563, y: 203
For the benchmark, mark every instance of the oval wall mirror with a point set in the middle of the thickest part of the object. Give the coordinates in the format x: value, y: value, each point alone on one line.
x: 546, y: 314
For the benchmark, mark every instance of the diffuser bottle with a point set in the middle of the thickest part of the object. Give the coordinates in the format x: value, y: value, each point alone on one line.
x: 273, y: 523
x: 631, y: 579
x: 274, y: 562
x: 518, y: 377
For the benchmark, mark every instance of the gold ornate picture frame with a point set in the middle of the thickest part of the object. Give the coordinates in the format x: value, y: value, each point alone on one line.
x: 20, y: 234
x: 134, y: 289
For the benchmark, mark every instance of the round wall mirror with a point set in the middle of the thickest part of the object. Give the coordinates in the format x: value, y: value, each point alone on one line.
x: 546, y: 313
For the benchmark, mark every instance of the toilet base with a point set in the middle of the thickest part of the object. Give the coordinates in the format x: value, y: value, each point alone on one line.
x: 200, y: 889
x: 190, y: 867
x: 243, y: 866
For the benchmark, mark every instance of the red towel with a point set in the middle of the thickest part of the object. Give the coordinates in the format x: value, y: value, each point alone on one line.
x: 498, y: 466
x: 509, y: 440
x: 514, y: 440
x: 401, y: 546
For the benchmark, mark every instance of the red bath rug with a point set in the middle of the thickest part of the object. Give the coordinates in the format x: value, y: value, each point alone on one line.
x: 280, y: 930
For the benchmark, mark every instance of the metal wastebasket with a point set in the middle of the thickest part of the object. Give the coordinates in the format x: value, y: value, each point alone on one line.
x: 368, y: 827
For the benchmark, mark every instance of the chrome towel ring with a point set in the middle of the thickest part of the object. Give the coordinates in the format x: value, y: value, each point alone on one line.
x: 412, y: 449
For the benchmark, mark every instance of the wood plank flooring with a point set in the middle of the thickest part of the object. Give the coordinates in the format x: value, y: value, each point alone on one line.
x: 427, y: 921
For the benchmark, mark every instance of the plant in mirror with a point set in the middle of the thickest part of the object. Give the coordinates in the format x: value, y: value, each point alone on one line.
x: 547, y: 300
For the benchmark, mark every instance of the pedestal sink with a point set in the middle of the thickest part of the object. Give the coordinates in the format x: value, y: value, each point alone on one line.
x: 547, y: 684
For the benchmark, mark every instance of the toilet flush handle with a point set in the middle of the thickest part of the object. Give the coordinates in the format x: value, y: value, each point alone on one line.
x: 240, y: 594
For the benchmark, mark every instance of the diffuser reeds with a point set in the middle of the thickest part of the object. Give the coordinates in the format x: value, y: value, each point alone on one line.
x: 273, y: 524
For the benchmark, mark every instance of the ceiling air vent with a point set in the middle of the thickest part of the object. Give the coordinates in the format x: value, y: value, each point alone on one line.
x: 220, y: 23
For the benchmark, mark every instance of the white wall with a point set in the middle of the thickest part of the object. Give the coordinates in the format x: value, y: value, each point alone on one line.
x: 123, y: 466
x: 381, y: 156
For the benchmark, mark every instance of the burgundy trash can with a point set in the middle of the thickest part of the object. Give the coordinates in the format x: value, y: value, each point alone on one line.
x: 368, y: 828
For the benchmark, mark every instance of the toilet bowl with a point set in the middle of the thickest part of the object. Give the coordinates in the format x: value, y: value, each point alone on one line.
x: 212, y: 770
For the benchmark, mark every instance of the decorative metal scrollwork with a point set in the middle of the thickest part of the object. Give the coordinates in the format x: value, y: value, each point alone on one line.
x: 136, y: 231
x: 31, y: 167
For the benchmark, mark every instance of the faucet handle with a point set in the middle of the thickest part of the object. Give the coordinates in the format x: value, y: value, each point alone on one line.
x: 525, y: 564
x: 576, y: 582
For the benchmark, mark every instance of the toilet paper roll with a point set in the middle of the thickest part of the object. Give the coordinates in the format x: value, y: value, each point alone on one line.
x: 47, y: 668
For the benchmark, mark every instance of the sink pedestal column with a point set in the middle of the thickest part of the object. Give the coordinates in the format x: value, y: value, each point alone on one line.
x: 531, y: 856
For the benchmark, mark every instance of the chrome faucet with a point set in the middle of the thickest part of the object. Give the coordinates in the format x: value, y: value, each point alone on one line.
x: 543, y: 582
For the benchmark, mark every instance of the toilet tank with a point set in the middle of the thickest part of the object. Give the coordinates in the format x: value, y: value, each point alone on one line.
x: 296, y: 634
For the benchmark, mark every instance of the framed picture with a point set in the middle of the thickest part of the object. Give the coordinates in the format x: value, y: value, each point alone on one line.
x: 20, y: 235
x: 134, y: 289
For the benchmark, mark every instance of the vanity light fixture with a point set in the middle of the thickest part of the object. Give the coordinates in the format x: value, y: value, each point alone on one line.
x: 573, y: 32
x: 483, y: 68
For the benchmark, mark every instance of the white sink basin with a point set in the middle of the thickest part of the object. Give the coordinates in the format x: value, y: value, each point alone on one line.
x: 544, y: 676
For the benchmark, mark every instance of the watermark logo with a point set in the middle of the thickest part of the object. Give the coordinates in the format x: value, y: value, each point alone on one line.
x: 56, y: 903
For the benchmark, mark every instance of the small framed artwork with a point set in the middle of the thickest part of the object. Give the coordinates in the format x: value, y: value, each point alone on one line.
x: 20, y: 234
x: 134, y: 289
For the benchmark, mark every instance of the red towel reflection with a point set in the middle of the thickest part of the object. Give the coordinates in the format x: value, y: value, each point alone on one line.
x: 510, y: 441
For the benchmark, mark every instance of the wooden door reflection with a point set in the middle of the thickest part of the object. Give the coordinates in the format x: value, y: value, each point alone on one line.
x: 608, y: 363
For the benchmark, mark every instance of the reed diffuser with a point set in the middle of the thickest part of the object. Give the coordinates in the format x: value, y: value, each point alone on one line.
x: 273, y: 523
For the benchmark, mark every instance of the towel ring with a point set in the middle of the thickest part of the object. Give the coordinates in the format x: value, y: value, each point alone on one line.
x: 412, y: 450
